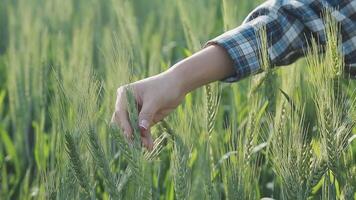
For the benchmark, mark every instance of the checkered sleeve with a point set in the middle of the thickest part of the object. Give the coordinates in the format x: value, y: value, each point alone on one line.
x: 289, y: 25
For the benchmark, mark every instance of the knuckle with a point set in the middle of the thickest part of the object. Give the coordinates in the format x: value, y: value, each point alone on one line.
x: 122, y: 89
x: 121, y: 96
x: 119, y: 90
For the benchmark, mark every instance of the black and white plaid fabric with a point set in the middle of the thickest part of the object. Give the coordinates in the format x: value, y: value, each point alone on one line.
x: 289, y: 25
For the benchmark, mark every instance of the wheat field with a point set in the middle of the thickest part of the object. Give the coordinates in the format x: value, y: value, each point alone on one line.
x: 287, y: 133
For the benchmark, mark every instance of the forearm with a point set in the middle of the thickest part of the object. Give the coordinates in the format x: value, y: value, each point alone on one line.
x: 208, y: 65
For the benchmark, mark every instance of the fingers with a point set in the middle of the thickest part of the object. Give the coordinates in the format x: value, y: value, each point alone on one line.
x: 146, y: 118
x: 120, y: 116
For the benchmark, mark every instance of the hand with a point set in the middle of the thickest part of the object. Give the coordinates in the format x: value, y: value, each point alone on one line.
x: 156, y: 97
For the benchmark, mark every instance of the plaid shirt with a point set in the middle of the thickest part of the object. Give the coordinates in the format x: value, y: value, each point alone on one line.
x: 289, y: 25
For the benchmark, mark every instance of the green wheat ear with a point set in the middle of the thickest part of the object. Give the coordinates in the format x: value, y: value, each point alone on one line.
x: 264, y: 60
x: 77, y: 166
x: 128, y: 153
x: 213, y: 99
x: 134, y: 152
x: 180, y: 159
x: 101, y: 161
x: 132, y: 109
x: 332, y: 105
x: 263, y: 46
x: 267, y: 74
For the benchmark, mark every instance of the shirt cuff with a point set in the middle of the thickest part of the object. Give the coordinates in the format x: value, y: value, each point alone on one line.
x: 243, y: 48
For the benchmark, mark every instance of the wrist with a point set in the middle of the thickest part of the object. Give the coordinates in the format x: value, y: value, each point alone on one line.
x: 176, y: 76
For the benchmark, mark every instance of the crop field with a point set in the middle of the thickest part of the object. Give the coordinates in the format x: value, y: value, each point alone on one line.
x: 288, y: 133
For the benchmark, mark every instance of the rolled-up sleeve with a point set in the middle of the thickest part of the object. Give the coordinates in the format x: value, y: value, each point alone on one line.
x: 289, y: 26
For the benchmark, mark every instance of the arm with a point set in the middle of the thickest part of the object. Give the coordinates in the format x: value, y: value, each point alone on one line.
x: 208, y: 65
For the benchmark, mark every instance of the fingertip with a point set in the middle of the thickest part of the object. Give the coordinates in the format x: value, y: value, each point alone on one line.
x: 147, y: 141
x: 143, y: 131
x: 144, y: 142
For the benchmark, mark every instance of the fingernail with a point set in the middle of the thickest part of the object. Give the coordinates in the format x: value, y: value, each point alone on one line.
x: 144, y: 124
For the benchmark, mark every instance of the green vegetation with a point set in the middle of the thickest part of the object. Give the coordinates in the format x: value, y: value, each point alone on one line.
x: 283, y: 134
